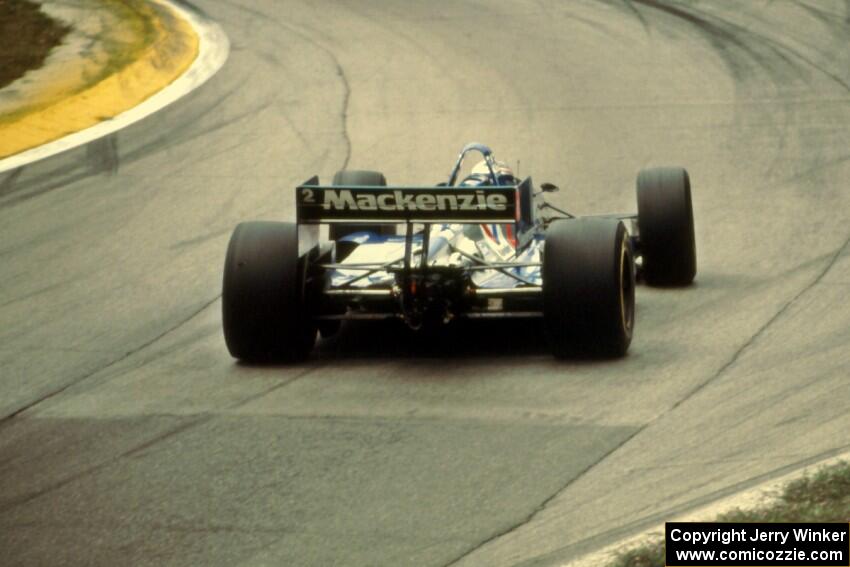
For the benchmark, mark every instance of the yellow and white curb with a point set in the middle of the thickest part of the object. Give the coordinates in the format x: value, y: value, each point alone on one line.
x: 762, y: 495
x: 164, y: 51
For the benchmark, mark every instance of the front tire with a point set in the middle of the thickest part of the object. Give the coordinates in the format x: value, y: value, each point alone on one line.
x: 362, y: 178
x: 263, y: 309
x: 588, y: 288
x: 666, y: 226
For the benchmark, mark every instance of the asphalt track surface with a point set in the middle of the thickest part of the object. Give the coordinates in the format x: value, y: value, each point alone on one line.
x: 132, y: 437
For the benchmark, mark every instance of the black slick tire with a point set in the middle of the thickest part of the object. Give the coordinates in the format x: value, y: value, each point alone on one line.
x: 362, y: 178
x: 666, y: 226
x: 588, y: 288
x: 264, y: 314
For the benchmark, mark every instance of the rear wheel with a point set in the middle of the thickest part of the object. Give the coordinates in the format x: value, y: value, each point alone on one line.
x: 264, y: 314
x: 588, y: 287
x: 364, y: 179
x: 666, y: 226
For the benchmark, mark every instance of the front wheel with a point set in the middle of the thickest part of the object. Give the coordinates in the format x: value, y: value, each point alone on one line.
x: 361, y: 178
x: 588, y: 287
x: 264, y: 314
x: 666, y: 226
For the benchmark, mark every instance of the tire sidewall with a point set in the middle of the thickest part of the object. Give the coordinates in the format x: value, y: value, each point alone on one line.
x: 588, y: 285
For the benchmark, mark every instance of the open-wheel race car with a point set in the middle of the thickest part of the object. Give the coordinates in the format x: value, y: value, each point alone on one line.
x: 486, y: 246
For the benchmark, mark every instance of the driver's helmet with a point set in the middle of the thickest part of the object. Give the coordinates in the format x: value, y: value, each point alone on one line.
x: 480, y: 175
x: 501, y: 234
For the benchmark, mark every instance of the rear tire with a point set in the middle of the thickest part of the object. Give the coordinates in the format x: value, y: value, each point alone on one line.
x: 666, y: 226
x: 588, y: 288
x: 364, y: 179
x: 263, y: 309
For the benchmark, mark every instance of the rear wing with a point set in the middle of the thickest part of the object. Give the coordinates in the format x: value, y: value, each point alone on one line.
x: 318, y: 204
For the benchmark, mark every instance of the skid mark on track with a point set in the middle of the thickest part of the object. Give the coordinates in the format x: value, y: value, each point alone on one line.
x: 8, y: 183
x: 345, y: 102
x: 338, y: 68
x: 827, y: 18
x: 41, y: 290
x: 735, y: 48
x: 760, y: 48
x: 167, y: 140
x: 201, y: 238
x: 56, y: 179
x: 745, y: 51
x: 102, y: 155
x: 633, y: 11
x: 573, y: 16
x: 637, y: 14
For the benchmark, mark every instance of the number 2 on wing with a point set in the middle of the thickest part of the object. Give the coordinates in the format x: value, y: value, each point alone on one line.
x: 307, y: 196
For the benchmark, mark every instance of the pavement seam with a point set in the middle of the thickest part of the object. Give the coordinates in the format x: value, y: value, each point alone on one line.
x: 74, y: 382
x: 190, y: 423
x: 722, y: 370
x: 545, y: 503
x: 752, y: 340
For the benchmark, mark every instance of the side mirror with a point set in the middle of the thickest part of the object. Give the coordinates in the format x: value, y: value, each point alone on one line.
x: 549, y: 188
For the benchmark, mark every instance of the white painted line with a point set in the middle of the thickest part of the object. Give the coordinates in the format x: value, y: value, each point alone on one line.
x: 213, y: 50
x: 760, y: 495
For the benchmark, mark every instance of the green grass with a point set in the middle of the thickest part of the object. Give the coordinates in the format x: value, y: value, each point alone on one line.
x: 135, y: 16
x: 19, y: 54
x: 26, y: 37
x: 821, y: 497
